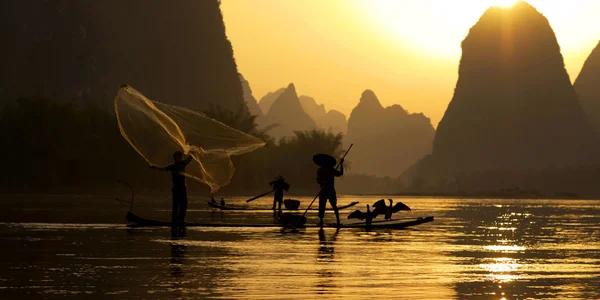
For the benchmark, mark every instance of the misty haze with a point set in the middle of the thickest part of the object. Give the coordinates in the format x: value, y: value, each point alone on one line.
x: 266, y: 149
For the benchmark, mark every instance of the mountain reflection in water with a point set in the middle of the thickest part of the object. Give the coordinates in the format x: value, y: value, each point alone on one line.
x: 475, y: 248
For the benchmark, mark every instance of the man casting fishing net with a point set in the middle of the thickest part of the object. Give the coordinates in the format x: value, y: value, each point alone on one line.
x: 179, y: 189
x: 157, y: 130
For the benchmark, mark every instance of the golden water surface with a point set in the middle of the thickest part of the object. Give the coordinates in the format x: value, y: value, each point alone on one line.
x: 79, y: 247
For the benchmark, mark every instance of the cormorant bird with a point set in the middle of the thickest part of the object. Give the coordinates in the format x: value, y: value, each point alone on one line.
x: 212, y: 200
x: 367, y: 216
x: 222, y: 202
x: 381, y: 208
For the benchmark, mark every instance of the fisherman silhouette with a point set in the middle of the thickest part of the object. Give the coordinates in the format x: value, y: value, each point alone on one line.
x: 179, y: 189
x: 279, y: 185
x: 326, y: 178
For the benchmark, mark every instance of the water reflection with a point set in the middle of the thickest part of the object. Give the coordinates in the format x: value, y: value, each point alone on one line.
x: 177, y: 251
x: 482, y: 249
x: 326, y: 246
x: 501, y: 269
x: 510, y: 251
x: 326, y: 262
x: 177, y: 261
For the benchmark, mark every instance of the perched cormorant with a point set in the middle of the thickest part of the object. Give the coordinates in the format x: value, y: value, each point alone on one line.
x: 381, y: 208
x: 367, y: 216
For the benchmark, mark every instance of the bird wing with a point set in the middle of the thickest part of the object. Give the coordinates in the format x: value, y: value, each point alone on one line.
x: 357, y: 214
x: 380, y: 204
x: 400, y: 206
x: 376, y: 212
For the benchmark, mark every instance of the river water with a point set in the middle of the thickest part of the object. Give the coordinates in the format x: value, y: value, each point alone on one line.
x: 79, y: 247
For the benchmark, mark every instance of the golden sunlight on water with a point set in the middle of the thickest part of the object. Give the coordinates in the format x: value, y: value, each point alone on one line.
x: 482, y: 249
x: 504, y: 248
x: 502, y: 269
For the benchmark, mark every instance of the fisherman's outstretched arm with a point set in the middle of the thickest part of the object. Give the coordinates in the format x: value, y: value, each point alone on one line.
x: 173, y: 166
x: 165, y: 168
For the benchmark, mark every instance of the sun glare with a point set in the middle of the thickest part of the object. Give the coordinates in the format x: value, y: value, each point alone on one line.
x: 503, y: 3
x: 437, y: 27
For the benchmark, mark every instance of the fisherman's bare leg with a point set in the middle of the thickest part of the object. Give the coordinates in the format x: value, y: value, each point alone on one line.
x: 322, y: 205
x: 183, y: 206
x: 333, y: 201
x: 175, y: 207
x: 279, y: 207
x: 337, y: 216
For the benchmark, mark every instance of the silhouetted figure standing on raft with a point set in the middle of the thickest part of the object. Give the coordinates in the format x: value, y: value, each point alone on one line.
x: 279, y: 185
x: 326, y: 178
x: 179, y: 190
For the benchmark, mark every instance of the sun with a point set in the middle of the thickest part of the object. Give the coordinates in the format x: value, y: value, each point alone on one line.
x: 502, y: 3
x: 434, y: 26
x: 437, y: 27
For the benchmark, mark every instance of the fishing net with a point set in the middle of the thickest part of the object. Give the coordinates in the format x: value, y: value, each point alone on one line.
x: 156, y: 130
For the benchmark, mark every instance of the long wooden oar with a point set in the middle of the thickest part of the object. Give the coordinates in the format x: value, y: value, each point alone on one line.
x: 261, y: 195
x: 313, y: 201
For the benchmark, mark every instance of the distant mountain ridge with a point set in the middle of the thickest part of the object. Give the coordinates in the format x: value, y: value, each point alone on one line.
x: 287, y: 112
x: 513, y: 109
x: 587, y: 86
x: 335, y: 122
x: 310, y: 106
x: 386, y: 140
x: 327, y: 120
x: 249, y: 98
x: 267, y: 100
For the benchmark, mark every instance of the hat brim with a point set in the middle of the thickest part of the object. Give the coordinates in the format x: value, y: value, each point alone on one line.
x: 324, y: 160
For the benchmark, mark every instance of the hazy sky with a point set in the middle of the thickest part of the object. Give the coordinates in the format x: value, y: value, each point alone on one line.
x: 406, y: 51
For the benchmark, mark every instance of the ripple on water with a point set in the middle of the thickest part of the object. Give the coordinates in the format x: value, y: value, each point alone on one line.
x: 474, y: 249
